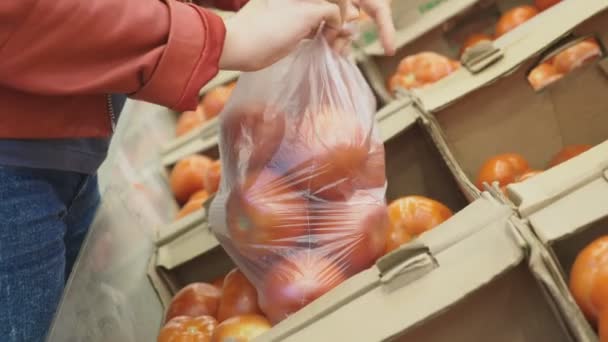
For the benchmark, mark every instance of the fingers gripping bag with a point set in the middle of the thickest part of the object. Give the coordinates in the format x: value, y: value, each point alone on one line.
x: 301, y: 205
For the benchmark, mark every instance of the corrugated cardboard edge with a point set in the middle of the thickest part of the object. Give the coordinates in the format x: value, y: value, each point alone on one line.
x: 518, y: 46
x: 159, y: 284
x: 546, y: 270
x: 427, y: 22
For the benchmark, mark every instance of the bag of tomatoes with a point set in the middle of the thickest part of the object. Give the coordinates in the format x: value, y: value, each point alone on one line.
x: 301, y: 204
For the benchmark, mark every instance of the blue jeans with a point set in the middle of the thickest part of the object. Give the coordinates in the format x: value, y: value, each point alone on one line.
x: 44, y: 218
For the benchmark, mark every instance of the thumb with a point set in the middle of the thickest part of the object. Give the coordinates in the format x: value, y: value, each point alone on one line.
x: 330, y: 11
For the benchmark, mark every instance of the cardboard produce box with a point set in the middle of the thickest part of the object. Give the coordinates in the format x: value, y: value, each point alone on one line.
x: 496, y: 110
x: 466, y: 280
x: 566, y: 209
x: 444, y: 31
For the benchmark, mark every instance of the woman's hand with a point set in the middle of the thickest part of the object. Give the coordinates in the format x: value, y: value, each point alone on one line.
x: 265, y: 31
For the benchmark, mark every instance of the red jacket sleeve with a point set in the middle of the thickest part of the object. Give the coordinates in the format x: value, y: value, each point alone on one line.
x: 160, y: 51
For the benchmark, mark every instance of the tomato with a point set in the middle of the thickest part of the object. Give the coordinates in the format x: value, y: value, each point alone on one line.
x: 513, y: 18
x: 326, y: 153
x: 189, y: 120
x: 590, y: 262
x: 576, y: 56
x: 473, y: 40
x: 211, y: 178
x: 354, y: 233
x: 503, y: 168
x: 219, y: 282
x: 243, y: 328
x: 186, y: 178
x: 195, y: 203
x: 266, y: 211
x: 603, y: 326
x: 422, y: 69
x: 239, y: 297
x: 188, y: 329
x: 254, y: 134
x: 543, y: 75
x: 197, y: 299
x: 544, y: 4
x: 568, y: 153
x: 296, y: 281
x: 411, y: 216
x: 213, y: 102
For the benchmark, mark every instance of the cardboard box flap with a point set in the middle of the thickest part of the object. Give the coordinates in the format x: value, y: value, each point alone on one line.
x: 186, y: 247
x: 559, y: 181
x: 489, y: 252
x: 517, y: 46
x: 433, y: 18
x: 396, y: 117
x: 202, y: 143
x: 572, y: 213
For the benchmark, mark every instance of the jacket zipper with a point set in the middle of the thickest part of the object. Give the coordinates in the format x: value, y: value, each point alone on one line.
x: 111, y: 112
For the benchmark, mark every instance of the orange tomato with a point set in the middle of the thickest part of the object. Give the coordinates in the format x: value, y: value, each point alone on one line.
x: 190, y: 120
x: 214, y: 101
x: 197, y: 299
x: 603, y: 326
x: 411, y: 216
x: 543, y: 75
x: 544, y: 4
x: 266, y: 211
x: 186, y: 178
x: 513, y: 18
x: 473, y: 40
x: 576, y: 56
x: 243, y: 328
x: 354, y: 232
x: 589, y: 290
x: 188, y: 329
x: 219, y: 282
x: 296, y: 281
x: 568, y: 153
x: 211, y: 178
x: 503, y: 168
x: 239, y: 297
x: 195, y: 203
x: 422, y: 69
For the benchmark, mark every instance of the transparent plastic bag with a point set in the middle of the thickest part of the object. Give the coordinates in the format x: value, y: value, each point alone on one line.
x: 301, y: 205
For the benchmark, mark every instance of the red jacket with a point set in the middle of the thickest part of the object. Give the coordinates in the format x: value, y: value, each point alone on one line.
x: 60, y: 58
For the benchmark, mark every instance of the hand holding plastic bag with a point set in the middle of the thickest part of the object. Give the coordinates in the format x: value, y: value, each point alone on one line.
x: 301, y: 203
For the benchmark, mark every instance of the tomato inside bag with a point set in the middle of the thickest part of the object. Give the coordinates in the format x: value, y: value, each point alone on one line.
x: 301, y: 204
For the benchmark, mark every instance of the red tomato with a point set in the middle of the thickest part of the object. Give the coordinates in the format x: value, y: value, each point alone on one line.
x: 422, y: 69
x: 473, y: 40
x: 190, y: 120
x: 243, y: 328
x: 188, y: 329
x: 186, y: 178
x: 576, y: 56
x: 198, y: 299
x: 295, y: 282
x: 603, y: 326
x: 543, y: 75
x: 211, y: 178
x: 195, y: 203
x: 503, y: 168
x: 568, y: 153
x: 544, y: 4
x: 513, y: 18
x: 411, y: 216
x: 213, y: 102
x: 266, y: 211
x: 219, y: 282
x: 353, y: 233
x: 239, y: 297
x: 584, y: 281
x: 326, y: 154
x: 255, y: 134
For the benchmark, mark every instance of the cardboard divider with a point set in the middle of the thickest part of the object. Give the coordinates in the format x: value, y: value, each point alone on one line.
x: 497, y: 111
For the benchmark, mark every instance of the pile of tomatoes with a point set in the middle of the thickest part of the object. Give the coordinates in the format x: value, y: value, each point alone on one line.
x: 226, y: 310
x: 193, y: 179
x: 511, y: 168
x: 211, y: 104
